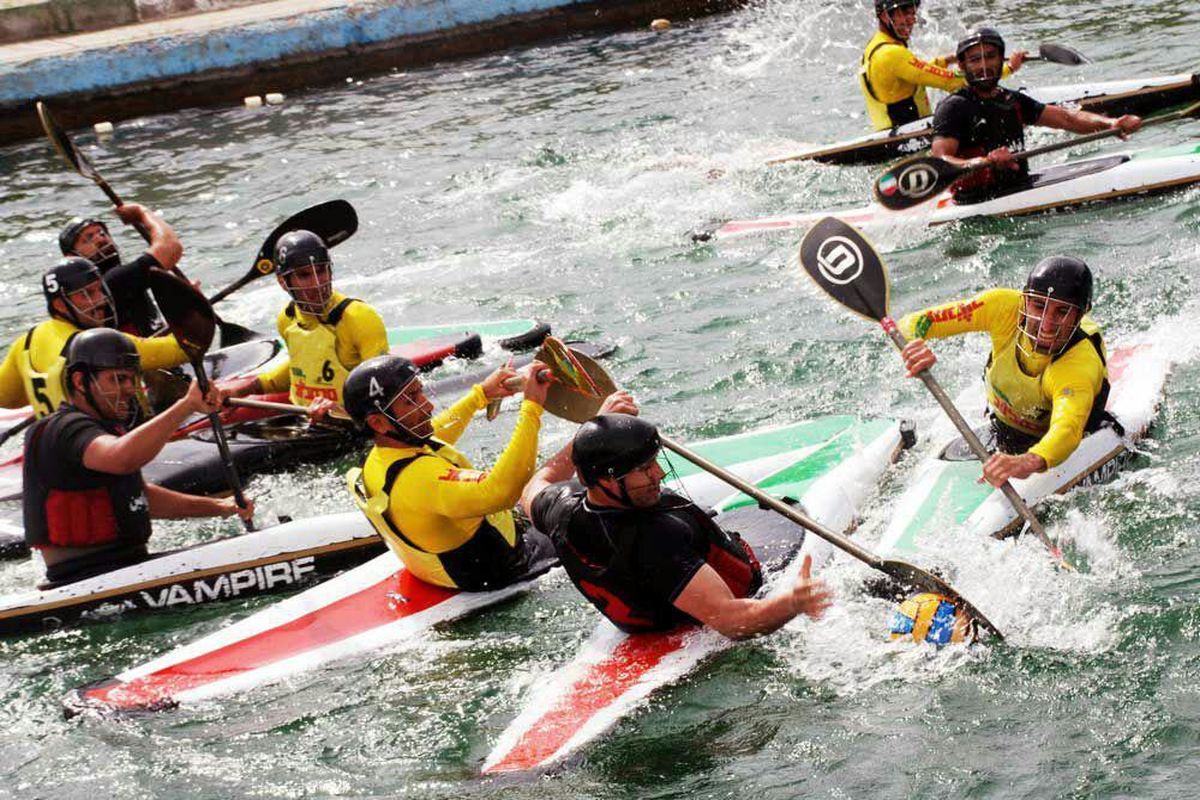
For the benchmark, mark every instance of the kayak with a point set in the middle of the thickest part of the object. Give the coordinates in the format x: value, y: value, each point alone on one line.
x: 615, y: 672
x: 381, y: 604
x: 945, y: 492
x: 1133, y: 96
x: 1074, y: 183
x: 280, y: 558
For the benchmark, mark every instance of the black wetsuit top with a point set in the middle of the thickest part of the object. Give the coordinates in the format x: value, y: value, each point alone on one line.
x: 981, y: 125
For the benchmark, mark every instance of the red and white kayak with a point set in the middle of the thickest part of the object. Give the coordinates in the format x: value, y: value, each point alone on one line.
x: 945, y: 491
x: 1074, y: 183
x: 381, y: 604
x: 616, y: 672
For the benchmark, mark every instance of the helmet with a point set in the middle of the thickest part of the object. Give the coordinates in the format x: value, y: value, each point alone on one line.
x: 106, y: 256
x: 974, y: 38
x: 300, y: 253
x: 887, y: 5
x: 1055, y: 286
x: 98, y: 349
x: 70, y: 275
x: 374, y: 385
x: 932, y: 618
x: 612, y: 446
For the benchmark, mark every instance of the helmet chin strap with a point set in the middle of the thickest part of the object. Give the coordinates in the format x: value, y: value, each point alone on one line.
x: 624, y: 498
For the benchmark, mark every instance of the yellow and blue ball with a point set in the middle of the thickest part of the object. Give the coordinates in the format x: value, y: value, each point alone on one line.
x: 933, y: 619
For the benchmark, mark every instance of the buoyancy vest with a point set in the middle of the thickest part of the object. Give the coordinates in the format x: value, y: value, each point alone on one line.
x: 996, y: 122
x: 611, y: 584
x: 491, y: 558
x: 316, y: 369
x: 899, y: 112
x: 1017, y: 399
x: 45, y: 389
x: 79, y: 508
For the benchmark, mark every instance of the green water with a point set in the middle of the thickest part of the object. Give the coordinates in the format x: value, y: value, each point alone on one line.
x: 559, y: 183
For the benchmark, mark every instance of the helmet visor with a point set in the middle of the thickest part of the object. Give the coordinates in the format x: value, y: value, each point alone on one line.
x: 311, y: 287
x: 1047, y: 324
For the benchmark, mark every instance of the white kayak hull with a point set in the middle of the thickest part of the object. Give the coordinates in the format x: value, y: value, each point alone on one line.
x: 381, y: 604
x: 1098, y: 179
x: 280, y: 558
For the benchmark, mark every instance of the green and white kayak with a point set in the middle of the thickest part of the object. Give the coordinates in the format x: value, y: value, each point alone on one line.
x: 828, y: 465
x: 945, y: 493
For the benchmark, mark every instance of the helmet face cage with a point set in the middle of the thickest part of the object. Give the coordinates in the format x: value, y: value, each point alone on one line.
x: 410, y: 424
x: 1046, y: 323
x: 103, y: 248
x: 88, y: 311
x: 317, y: 291
x: 982, y: 39
x: 118, y: 387
x: 887, y: 8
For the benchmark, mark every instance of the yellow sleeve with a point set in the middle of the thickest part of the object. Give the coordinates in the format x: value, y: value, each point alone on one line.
x: 361, y: 335
x: 901, y: 64
x: 451, y: 423
x: 1072, y: 383
x: 279, y: 377
x: 12, y: 387
x: 465, y: 493
x: 992, y: 310
x: 159, y: 352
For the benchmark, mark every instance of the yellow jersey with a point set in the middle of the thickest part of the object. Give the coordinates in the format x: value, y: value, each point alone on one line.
x: 33, y: 370
x: 323, y: 350
x: 449, y: 522
x: 1045, y: 396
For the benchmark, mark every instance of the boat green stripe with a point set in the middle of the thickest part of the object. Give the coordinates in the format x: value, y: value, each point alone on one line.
x: 741, y: 448
x: 497, y: 329
x: 956, y: 493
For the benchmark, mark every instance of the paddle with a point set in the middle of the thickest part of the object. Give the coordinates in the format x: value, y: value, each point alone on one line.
x: 914, y: 180
x: 847, y: 268
x: 1059, y: 54
x: 190, y: 317
x: 15, y: 429
x: 334, y: 221
x: 231, y: 332
x: 581, y: 385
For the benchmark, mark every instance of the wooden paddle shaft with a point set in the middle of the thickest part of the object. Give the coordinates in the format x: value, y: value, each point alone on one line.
x: 214, y: 419
x: 981, y: 452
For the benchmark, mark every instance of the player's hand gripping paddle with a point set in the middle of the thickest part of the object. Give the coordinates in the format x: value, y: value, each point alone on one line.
x: 190, y: 318
x: 231, y: 332
x: 915, y: 180
x: 581, y: 385
x: 845, y: 265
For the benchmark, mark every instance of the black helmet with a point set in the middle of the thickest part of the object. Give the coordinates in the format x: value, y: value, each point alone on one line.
x: 371, y: 387
x: 70, y: 275
x: 1064, y: 278
x: 887, y: 5
x: 99, y: 349
x: 105, y: 259
x: 612, y: 446
x: 977, y: 37
x: 296, y: 249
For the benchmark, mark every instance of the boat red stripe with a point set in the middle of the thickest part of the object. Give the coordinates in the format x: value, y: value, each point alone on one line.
x: 398, y: 596
x: 596, y: 690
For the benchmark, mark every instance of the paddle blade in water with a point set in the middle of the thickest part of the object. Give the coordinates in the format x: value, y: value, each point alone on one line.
x: 846, y: 267
x: 914, y: 180
x: 63, y: 144
x: 921, y: 579
x: 1061, y: 54
x: 187, y: 312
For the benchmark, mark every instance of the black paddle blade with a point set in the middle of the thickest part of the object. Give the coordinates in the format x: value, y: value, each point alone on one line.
x: 63, y: 144
x: 927, y: 581
x: 913, y: 181
x: 334, y: 221
x: 847, y: 268
x: 1061, y: 54
x: 188, y: 313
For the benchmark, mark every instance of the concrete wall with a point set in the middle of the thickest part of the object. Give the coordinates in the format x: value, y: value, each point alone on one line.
x: 292, y: 52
